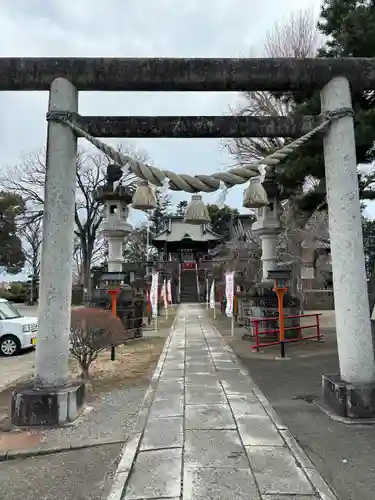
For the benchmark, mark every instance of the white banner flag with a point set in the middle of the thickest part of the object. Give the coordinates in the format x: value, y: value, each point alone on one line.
x: 154, y: 293
x: 212, y: 295
x: 164, y: 294
x: 169, y: 291
x: 229, y: 288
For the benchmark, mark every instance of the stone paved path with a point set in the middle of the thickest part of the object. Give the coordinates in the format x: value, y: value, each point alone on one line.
x: 206, y: 431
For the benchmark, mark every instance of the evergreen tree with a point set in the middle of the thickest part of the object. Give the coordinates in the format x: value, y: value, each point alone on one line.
x: 222, y: 219
x: 160, y: 213
x: 368, y: 227
x: 181, y: 208
x: 350, y: 30
x: 12, y: 257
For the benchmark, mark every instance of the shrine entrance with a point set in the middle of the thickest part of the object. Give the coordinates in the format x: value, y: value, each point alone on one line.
x: 65, y: 77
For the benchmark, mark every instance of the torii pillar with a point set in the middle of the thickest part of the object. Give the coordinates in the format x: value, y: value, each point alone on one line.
x: 352, y: 392
x: 53, y: 398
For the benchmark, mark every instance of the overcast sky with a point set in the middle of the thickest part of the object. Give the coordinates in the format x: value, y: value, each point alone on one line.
x: 134, y: 28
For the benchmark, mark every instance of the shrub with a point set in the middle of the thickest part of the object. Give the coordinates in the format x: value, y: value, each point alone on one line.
x: 16, y: 293
x: 5, y: 294
x: 92, y: 331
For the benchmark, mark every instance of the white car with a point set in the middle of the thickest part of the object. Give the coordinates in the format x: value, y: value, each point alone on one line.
x: 16, y: 332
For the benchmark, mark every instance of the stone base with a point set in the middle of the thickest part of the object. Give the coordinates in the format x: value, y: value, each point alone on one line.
x: 32, y: 406
x: 348, y: 400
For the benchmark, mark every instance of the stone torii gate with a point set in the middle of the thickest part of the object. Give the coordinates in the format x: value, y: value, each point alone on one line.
x: 53, y: 399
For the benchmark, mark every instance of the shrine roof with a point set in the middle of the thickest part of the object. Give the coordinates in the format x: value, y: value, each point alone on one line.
x: 178, y: 230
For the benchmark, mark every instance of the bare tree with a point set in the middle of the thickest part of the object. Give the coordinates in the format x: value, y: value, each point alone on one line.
x: 245, y: 150
x: 136, y: 247
x: 296, y: 37
x: 31, y: 234
x: 28, y: 178
x: 99, y: 254
x: 300, y: 227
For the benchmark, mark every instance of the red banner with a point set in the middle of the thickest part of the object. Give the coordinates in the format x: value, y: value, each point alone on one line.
x: 189, y: 265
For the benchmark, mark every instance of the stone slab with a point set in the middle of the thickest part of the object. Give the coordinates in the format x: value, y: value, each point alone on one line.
x: 163, y: 433
x: 203, y: 383
x: 173, y: 363
x: 203, y: 396
x: 219, y: 439
x: 192, y: 368
x: 258, y: 431
x: 236, y: 386
x: 201, y: 378
x: 155, y: 474
x: 178, y: 342
x: 290, y: 497
x: 166, y: 379
x: 171, y: 367
x: 201, y: 365
x: 276, y: 471
x: 170, y: 407
x: 215, y: 416
x: 226, y: 365
x: 201, y: 354
x: 246, y: 406
x: 214, y: 448
x: 223, y: 360
x: 175, y: 370
x: 171, y: 392
x: 174, y: 355
x: 231, y: 373
x: 170, y: 384
x: 219, y: 483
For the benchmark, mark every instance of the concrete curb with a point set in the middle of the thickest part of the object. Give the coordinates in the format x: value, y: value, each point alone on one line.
x: 49, y: 450
x: 130, y: 449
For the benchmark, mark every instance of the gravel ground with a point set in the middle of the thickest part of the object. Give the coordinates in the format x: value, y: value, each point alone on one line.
x: 74, y: 475
x: 77, y: 474
x: 16, y: 368
x: 80, y: 474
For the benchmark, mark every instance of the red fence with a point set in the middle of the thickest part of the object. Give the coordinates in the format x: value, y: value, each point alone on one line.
x: 256, y: 323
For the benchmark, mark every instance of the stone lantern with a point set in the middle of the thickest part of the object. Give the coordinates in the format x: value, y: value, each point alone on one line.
x: 115, y: 228
x: 268, y: 226
x: 264, y: 303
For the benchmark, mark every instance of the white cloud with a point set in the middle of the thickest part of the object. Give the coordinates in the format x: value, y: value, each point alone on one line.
x: 132, y: 28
